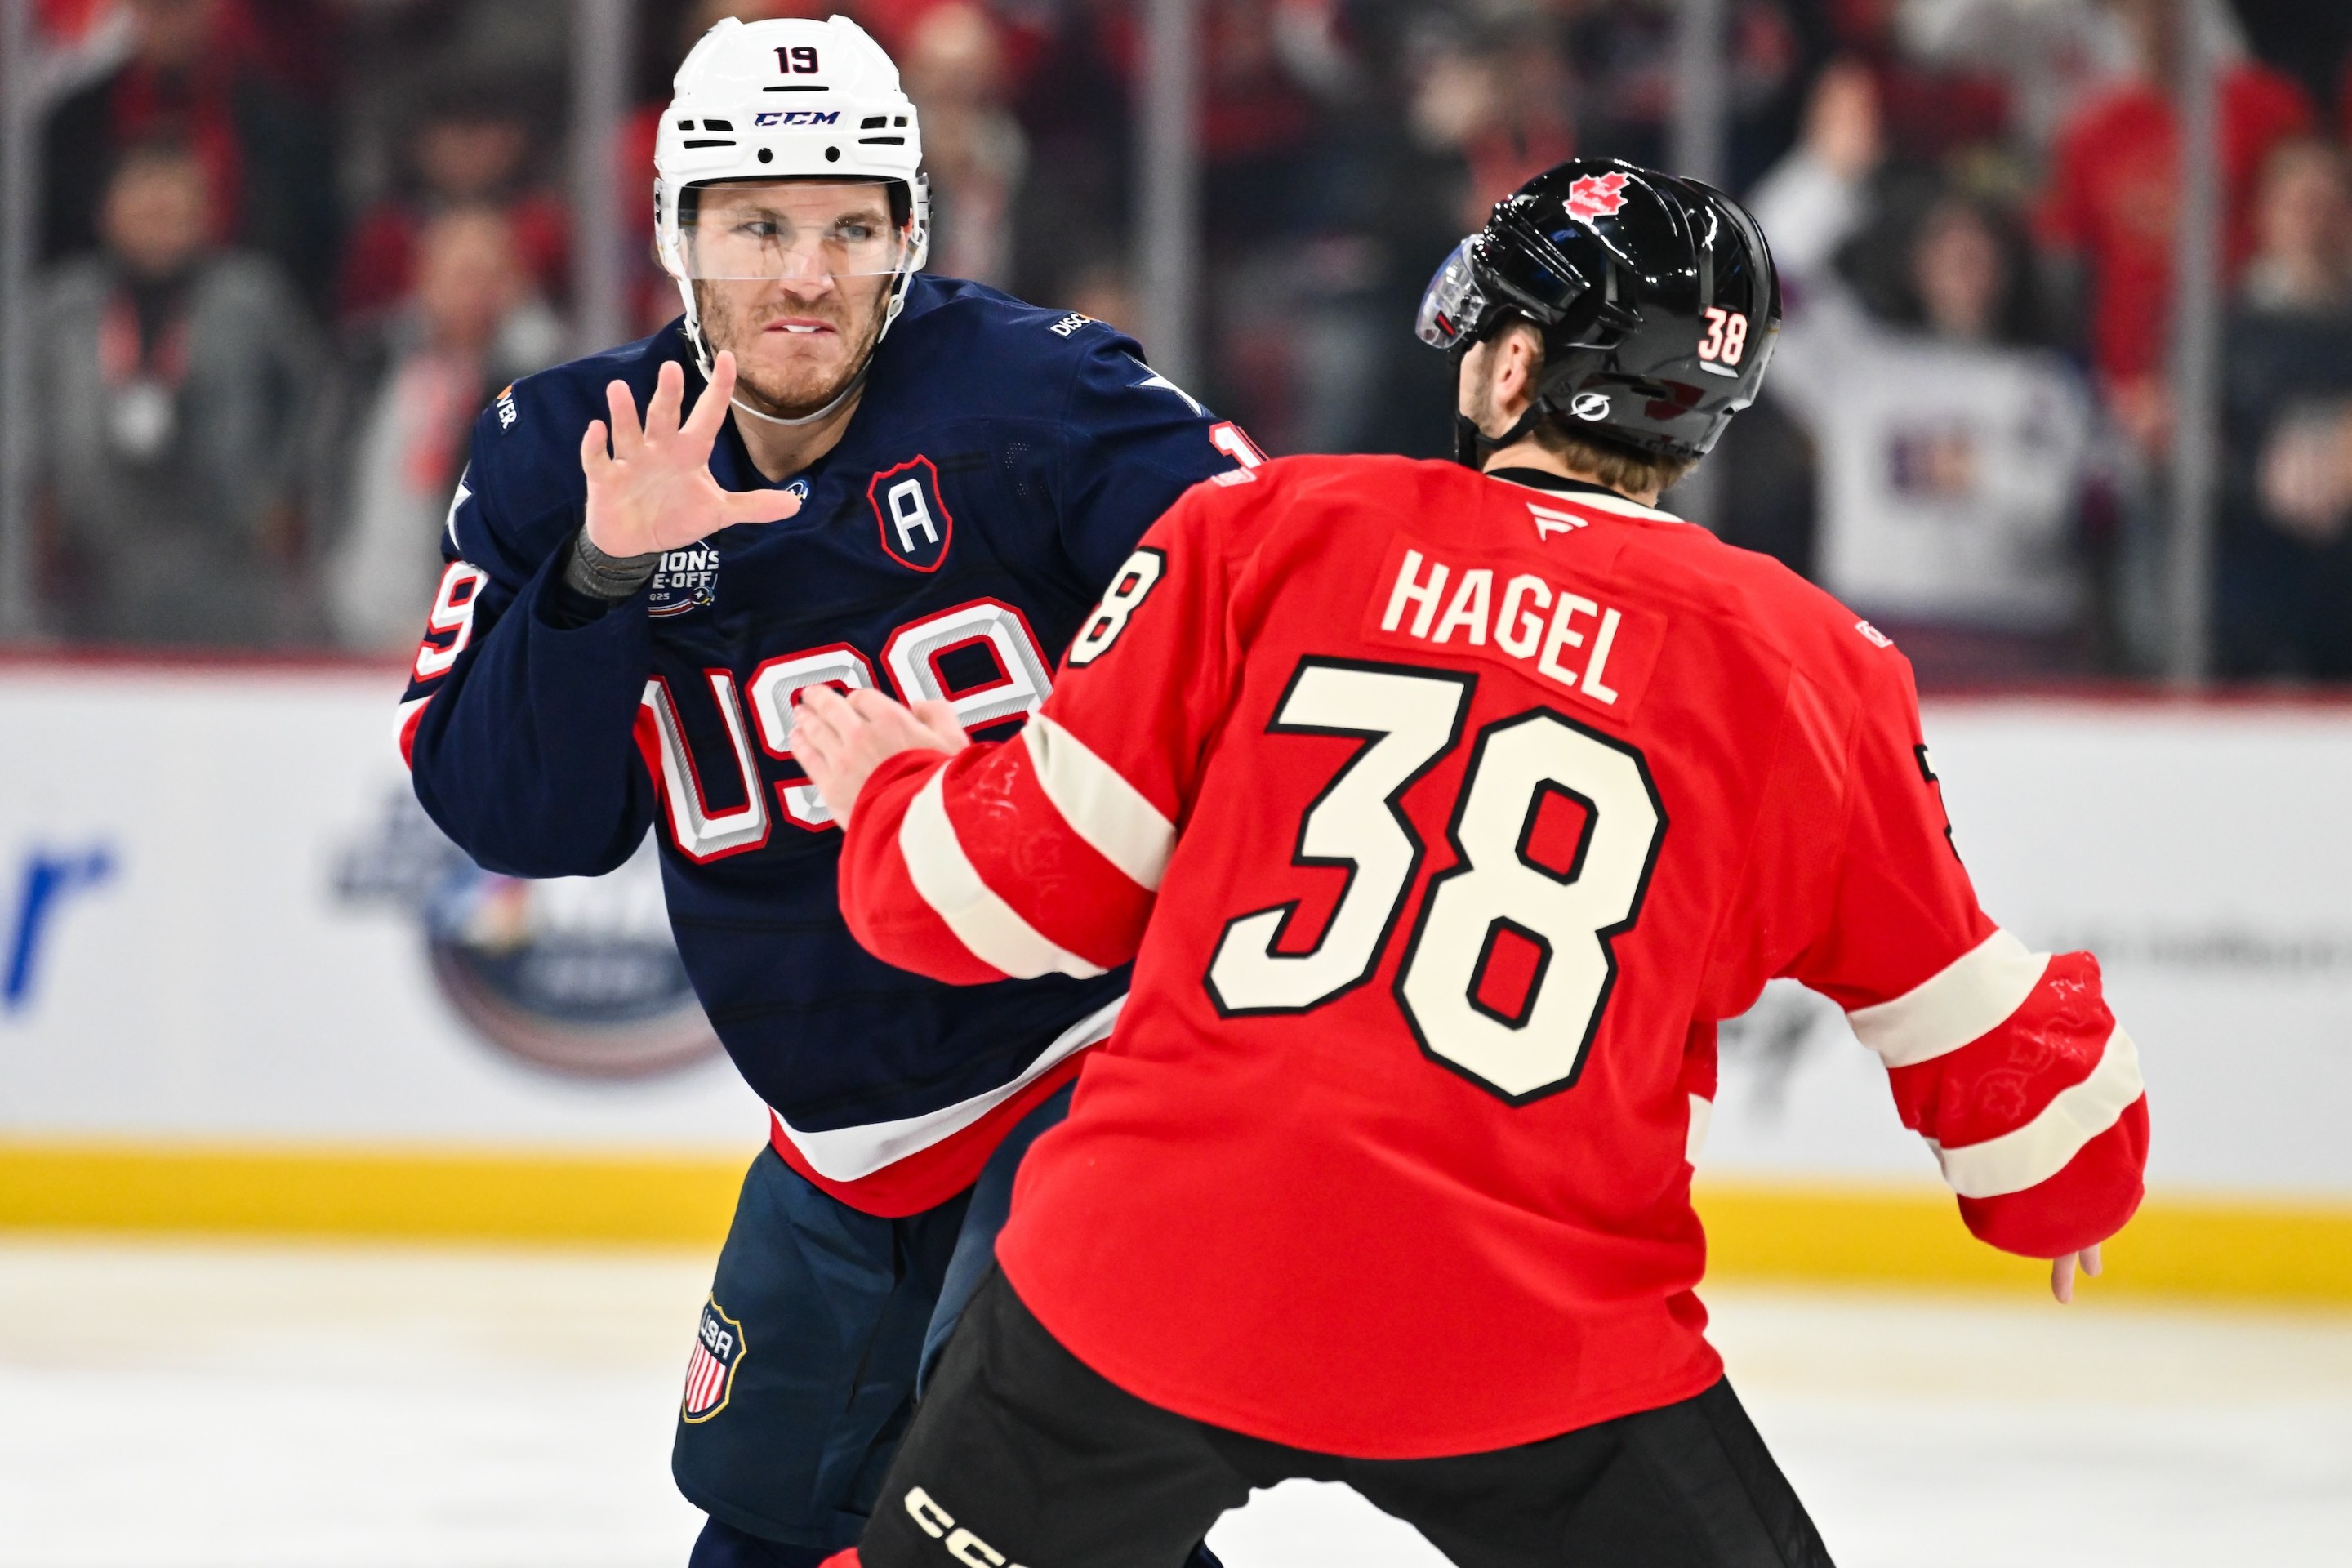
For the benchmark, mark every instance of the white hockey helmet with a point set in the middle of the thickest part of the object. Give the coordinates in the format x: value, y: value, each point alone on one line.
x: 788, y: 99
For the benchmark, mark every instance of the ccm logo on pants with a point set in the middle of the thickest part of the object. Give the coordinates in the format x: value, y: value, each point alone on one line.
x: 963, y: 1544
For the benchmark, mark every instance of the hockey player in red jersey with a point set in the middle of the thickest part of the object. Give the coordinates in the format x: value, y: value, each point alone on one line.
x: 1443, y: 811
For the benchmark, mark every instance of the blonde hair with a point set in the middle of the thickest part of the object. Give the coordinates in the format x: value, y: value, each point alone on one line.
x: 1620, y: 466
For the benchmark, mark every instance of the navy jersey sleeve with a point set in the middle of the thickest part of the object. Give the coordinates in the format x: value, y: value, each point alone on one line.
x: 519, y: 731
x: 1132, y: 442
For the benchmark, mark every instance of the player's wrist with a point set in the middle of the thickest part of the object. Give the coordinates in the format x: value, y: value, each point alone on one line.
x: 593, y: 572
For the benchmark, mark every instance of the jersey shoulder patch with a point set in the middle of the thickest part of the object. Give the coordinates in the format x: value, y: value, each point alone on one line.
x: 523, y: 480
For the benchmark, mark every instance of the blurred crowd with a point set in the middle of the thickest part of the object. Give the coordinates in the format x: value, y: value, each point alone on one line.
x: 290, y: 248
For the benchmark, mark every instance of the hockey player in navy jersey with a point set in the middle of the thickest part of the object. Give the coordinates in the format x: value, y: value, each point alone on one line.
x: 832, y: 471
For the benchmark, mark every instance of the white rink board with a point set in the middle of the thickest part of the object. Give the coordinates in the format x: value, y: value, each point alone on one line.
x: 215, y: 982
x: 2205, y: 853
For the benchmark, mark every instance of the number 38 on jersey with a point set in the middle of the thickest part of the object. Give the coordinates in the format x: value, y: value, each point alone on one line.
x: 1507, y: 969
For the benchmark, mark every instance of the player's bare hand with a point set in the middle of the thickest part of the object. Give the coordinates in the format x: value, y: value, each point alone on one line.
x: 2062, y: 1272
x: 840, y: 741
x: 649, y: 485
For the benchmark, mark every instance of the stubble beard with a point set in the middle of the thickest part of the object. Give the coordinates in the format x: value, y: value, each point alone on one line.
x: 1482, y: 399
x: 726, y: 324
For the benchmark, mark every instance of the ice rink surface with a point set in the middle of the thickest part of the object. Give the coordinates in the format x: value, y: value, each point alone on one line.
x: 168, y: 1405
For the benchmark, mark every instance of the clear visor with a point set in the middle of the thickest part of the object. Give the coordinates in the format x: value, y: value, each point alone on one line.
x: 1453, y: 303
x: 796, y: 232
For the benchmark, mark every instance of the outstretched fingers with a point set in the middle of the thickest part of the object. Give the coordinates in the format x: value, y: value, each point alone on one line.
x: 758, y: 506
x: 628, y: 435
x: 668, y: 402
x: 711, y: 408
x: 2062, y: 1271
x: 595, y: 460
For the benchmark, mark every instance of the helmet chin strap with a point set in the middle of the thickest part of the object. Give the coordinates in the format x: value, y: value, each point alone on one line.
x: 855, y: 384
x: 1473, y: 446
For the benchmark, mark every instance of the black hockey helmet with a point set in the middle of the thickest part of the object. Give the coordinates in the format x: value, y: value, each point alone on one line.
x: 1655, y: 296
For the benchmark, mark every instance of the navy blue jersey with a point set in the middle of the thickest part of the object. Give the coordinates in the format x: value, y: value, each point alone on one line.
x: 998, y: 469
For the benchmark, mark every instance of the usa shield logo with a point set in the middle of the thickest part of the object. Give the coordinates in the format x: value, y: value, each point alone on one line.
x: 912, y: 516
x: 718, y: 1349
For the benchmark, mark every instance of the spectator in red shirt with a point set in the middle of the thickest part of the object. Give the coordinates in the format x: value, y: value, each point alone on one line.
x: 471, y: 147
x: 2113, y: 196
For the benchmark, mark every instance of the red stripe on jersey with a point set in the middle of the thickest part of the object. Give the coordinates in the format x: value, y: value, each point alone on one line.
x: 1031, y: 856
x: 646, y: 731
x: 2087, y: 1202
x: 930, y: 1176
x: 408, y: 724
x: 2002, y: 1080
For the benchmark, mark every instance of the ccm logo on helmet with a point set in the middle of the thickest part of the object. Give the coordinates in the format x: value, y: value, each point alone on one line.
x: 797, y: 117
x: 1590, y: 406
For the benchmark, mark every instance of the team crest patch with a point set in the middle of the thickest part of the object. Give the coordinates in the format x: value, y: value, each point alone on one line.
x: 683, y: 581
x: 1596, y: 196
x: 718, y: 1349
x: 913, y: 517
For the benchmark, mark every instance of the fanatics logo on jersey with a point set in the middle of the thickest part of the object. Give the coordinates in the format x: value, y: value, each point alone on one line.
x: 914, y: 518
x: 1596, y: 196
x: 684, y: 581
x: 718, y: 1349
x: 1550, y: 521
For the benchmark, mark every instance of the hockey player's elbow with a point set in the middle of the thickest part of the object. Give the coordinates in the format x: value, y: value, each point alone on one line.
x: 530, y: 841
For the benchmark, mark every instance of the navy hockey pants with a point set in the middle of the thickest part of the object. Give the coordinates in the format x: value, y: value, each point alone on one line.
x: 837, y: 1314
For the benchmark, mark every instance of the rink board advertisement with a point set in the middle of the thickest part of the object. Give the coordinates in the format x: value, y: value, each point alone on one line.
x: 226, y: 921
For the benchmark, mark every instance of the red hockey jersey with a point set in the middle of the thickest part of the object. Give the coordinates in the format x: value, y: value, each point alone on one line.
x: 1443, y: 815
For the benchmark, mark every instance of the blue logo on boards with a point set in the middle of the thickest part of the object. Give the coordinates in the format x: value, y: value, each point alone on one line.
x: 577, y: 974
x: 48, y: 878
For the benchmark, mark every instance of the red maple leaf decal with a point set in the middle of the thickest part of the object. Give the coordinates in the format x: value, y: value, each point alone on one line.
x: 1595, y: 196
